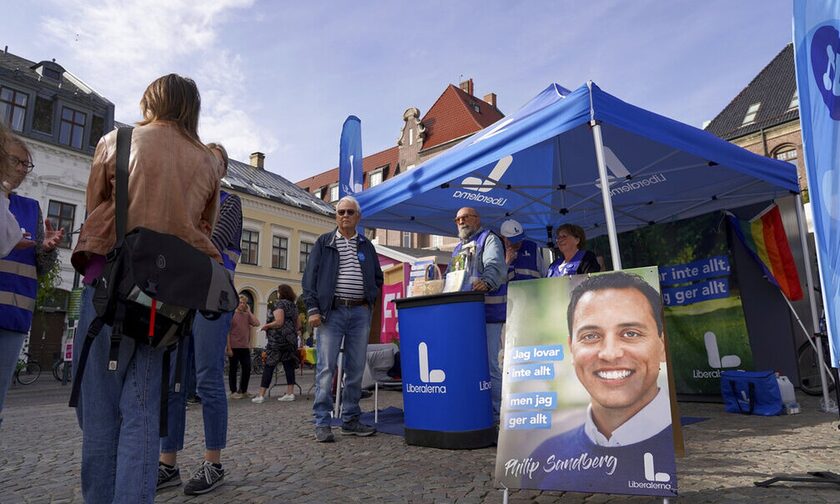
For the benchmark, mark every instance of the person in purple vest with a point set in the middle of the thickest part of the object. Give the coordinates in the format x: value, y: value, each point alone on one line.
x: 209, y: 340
x: 34, y: 255
x: 481, y: 255
x: 10, y: 235
x: 523, y: 256
x: 573, y: 260
x: 625, y: 444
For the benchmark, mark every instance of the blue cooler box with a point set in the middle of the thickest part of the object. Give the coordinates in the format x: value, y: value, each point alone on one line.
x: 446, y: 379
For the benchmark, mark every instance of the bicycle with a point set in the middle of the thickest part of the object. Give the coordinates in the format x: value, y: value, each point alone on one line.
x: 257, y: 361
x: 60, y: 367
x: 27, y: 370
x: 809, y: 371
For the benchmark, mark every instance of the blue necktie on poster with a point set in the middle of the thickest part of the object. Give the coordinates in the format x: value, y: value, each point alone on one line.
x: 816, y: 36
x: 350, y: 173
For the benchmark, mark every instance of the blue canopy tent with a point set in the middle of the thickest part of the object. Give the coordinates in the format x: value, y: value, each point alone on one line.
x: 583, y: 157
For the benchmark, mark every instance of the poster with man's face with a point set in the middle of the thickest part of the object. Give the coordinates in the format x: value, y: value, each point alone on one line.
x: 585, y: 399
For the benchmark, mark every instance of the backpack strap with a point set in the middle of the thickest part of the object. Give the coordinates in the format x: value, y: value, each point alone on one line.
x: 121, y: 196
x: 93, y: 330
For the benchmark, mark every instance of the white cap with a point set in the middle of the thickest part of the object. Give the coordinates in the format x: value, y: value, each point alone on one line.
x: 512, y: 230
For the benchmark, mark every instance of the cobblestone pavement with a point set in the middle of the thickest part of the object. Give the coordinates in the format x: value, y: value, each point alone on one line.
x: 272, y: 457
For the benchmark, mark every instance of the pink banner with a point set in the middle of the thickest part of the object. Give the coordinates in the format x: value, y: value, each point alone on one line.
x: 390, y: 328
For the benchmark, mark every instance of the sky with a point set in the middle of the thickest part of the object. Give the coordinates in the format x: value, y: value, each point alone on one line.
x: 280, y: 77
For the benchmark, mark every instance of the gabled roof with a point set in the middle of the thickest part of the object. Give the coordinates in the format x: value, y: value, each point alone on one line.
x: 773, y: 87
x: 454, y: 115
x: 71, y: 87
x: 387, y: 157
x: 265, y: 184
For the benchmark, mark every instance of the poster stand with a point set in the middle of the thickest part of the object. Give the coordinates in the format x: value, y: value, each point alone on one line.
x: 816, y: 477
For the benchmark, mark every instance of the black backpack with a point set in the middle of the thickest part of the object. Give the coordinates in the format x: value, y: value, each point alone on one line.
x: 151, y: 288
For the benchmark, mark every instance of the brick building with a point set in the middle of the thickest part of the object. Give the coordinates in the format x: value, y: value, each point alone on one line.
x: 455, y: 115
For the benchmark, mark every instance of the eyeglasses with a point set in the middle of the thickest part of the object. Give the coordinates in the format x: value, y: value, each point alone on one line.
x: 349, y: 212
x: 563, y: 237
x: 29, y: 165
x: 465, y: 217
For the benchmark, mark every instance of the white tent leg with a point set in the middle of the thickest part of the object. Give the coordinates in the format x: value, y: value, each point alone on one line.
x: 809, y: 285
x: 605, y: 194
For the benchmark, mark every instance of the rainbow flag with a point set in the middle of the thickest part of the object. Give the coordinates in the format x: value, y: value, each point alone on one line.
x: 765, y: 238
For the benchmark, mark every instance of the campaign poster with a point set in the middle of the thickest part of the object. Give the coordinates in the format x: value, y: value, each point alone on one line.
x: 585, y: 400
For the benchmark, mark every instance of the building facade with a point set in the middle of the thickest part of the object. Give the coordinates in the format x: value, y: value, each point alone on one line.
x: 455, y: 115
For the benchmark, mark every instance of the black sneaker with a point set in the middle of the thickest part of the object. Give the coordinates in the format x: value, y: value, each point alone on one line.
x: 168, y: 476
x: 323, y: 434
x: 356, y: 428
x: 204, y: 479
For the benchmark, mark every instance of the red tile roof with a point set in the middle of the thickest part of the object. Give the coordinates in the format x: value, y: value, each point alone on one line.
x: 453, y: 115
x: 369, y: 163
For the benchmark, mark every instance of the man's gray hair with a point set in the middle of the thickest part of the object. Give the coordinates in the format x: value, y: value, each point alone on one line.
x: 352, y: 200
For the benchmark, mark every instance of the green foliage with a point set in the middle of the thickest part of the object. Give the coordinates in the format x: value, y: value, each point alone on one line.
x: 47, y: 283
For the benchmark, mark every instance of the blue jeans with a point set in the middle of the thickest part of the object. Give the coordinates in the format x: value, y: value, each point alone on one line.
x: 209, y: 339
x: 10, y: 344
x: 494, y: 344
x: 353, y: 324
x: 119, y: 416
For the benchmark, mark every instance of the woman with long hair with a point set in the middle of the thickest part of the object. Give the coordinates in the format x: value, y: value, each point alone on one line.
x: 173, y: 186
x: 282, y: 327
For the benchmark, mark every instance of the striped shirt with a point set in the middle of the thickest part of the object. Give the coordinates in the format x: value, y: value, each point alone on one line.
x: 350, y: 284
x: 228, y: 230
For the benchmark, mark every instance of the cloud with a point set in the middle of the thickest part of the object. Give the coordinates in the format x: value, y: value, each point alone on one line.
x: 119, y: 47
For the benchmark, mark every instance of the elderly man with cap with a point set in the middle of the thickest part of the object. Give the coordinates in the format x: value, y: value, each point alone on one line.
x: 523, y: 256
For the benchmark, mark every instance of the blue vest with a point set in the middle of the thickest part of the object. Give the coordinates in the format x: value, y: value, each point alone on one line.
x: 18, y: 279
x: 524, y: 267
x: 232, y: 251
x: 560, y: 267
x: 494, y: 301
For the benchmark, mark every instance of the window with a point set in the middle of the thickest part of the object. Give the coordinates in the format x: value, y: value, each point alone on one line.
x: 305, y: 250
x: 406, y: 239
x: 72, y: 127
x: 794, y: 102
x: 250, y: 246
x: 280, y: 252
x: 411, y: 136
x: 272, y: 300
x: 62, y: 215
x: 751, y: 113
x: 13, y: 108
x: 333, y: 193
x: 786, y: 153
x: 43, y: 120
x: 375, y: 178
x: 97, y: 128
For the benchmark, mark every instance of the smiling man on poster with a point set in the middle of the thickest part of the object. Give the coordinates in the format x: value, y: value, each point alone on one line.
x: 625, y: 444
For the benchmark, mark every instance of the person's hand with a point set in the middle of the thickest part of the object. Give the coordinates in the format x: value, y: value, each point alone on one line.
x: 25, y: 242
x: 52, y: 236
x: 229, y: 351
x: 205, y: 227
x: 315, y: 320
x: 480, y: 286
x: 265, y: 327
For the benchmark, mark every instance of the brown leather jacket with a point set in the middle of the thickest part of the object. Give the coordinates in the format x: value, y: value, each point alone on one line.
x: 173, y: 186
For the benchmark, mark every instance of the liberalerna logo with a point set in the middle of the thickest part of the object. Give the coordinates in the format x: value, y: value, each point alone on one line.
x: 825, y: 64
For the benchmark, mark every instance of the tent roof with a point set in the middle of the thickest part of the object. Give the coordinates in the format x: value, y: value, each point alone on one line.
x: 539, y: 167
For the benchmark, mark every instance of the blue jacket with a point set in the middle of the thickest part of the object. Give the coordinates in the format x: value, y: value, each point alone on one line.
x: 321, y: 273
x: 18, y: 275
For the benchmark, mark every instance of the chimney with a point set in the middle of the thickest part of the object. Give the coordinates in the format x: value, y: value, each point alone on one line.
x: 491, y: 99
x: 258, y: 160
x: 467, y: 86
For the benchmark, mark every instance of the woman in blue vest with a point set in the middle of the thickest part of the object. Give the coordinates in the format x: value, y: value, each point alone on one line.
x: 34, y: 255
x: 573, y: 260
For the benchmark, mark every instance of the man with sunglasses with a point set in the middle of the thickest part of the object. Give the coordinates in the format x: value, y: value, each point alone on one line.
x: 481, y: 256
x: 341, y: 282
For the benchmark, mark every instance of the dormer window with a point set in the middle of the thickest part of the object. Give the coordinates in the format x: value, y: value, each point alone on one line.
x: 50, y: 70
x: 794, y: 102
x: 752, y: 111
x: 52, y: 73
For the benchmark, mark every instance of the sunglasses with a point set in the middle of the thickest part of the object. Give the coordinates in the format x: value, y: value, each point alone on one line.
x: 465, y: 217
x: 349, y: 212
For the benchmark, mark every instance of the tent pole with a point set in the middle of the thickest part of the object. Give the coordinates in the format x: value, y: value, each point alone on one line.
x: 605, y: 194
x: 809, y: 285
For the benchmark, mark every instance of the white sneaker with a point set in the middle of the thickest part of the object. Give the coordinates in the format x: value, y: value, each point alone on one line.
x: 236, y: 395
x: 258, y: 399
x: 287, y: 398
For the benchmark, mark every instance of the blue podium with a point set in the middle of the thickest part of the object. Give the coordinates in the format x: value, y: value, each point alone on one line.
x: 446, y: 379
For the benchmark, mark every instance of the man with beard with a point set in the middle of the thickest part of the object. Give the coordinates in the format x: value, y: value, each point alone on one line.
x: 481, y: 256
